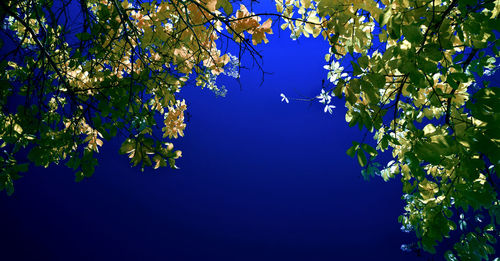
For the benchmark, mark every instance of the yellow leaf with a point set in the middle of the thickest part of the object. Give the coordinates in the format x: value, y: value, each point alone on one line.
x: 429, y: 129
x: 18, y: 129
x: 211, y: 5
x: 259, y: 34
x: 279, y: 8
x: 496, y: 10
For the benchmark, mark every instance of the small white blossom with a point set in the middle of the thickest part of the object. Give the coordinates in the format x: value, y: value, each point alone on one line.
x: 284, y: 98
x: 328, y: 108
x: 324, y: 97
x: 405, y: 248
x: 407, y: 228
x: 333, y: 66
x: 335, y: 72
x: 221, y: 91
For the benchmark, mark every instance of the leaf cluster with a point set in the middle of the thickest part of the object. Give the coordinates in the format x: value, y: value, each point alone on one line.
x: 415, y: 81
x: 75, y: 74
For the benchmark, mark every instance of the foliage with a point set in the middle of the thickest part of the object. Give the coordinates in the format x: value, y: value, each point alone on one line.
x: 410, y: 72
x: 414, y: 78
x: 75, y: 73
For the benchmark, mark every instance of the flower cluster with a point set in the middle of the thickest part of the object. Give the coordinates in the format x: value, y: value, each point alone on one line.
x: 325, y: 98
x: 211, y: 82
x: 220, y: 91
x: 232, y: 67
x: 407, y: 228
x: 335, y: 72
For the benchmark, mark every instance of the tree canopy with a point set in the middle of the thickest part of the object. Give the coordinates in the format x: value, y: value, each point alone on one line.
x: 75, y: 78
x: 413, y: 74
x: 415, y: 79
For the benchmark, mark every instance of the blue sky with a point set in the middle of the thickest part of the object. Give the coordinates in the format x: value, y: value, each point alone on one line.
x: 259, y: 180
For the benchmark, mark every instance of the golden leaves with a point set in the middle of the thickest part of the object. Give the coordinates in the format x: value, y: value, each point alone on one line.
x: 122, y: 70
x: 142, y: 21
x: 243, y: 21
x: 216, y: 62
x: 246, y: 21
x: 210, y: 4
x: 309, y: 23
x: 427, y: 190
x: 93, y: 137
x: 174, y: 120
x: 259, y: 33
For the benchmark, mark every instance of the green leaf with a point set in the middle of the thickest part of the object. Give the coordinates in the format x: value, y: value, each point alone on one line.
x: 23, y: 167
x: 369, y: 149
x: 433, y: 52
x: 356, y: 69
x: 394, y: 30
x: 79, y: 176
x: 127, y: 146
x: 426, y: 66
x: 412, y: 33
x: 352, y: 150
x: 84, y: 36
x: 363, y: 61
x: 361, y: 158
x: 378, y: 80
x: 226, y: 5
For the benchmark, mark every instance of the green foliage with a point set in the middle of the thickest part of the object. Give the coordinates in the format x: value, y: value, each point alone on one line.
x: 71, y: 83
x: 412, y: 80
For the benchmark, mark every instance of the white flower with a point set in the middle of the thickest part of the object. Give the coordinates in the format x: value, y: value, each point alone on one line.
x: 328, y: 108
x: 324, y: 97
x: 405, y: 248
x: 232, y: 67
x: 335, y: 72
x: 284, y: 98
x: 333, y: 66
